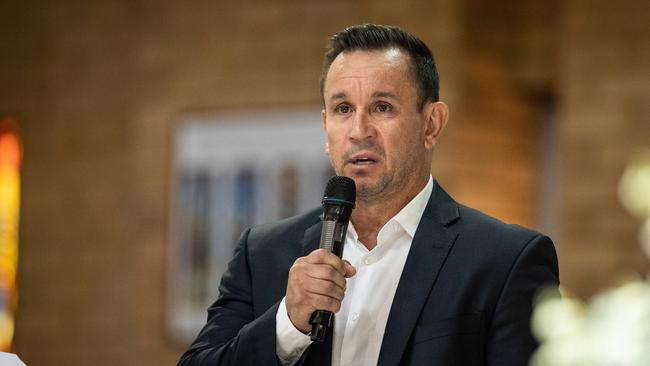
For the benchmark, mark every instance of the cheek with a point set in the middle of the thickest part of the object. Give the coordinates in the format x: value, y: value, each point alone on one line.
x: 334, y: 137
x: 333, y: 148
x: 403, y: 144
x: 396, y: 141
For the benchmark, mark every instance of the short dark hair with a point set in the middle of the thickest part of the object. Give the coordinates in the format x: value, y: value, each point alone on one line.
x: 373, y: 37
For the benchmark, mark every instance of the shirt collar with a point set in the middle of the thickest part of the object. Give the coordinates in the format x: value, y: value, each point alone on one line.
x: 409, y: 216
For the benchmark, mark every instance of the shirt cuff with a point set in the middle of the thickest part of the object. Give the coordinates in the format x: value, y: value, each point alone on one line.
x: 290, y: 342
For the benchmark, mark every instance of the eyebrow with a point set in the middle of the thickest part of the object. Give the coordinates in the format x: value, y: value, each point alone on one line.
x: 378, y: 94
x: 384, y: 94
x: 336, y: 96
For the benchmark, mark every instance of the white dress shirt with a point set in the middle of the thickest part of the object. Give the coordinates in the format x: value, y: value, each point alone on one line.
x: 360, y: 323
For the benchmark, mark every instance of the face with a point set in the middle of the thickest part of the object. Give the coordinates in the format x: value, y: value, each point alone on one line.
x: 375, y: 133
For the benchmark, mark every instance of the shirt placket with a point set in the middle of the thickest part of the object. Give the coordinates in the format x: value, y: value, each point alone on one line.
x: 354, y: 342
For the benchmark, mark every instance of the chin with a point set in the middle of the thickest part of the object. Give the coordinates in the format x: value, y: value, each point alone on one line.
x: 363, y: 182
x: 367, y: 188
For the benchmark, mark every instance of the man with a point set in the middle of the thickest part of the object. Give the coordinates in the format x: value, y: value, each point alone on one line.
x: 425, y: 281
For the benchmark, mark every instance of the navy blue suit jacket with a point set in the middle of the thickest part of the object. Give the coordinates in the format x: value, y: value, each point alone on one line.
x: 464, y: 298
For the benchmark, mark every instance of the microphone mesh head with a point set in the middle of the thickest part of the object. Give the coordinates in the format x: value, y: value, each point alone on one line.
x: 340, y: 189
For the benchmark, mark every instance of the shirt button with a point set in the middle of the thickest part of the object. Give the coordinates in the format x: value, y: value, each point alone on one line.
x: 367, y: 261
x: 355, y: 316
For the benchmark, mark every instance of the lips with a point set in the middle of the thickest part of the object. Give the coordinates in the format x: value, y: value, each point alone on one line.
x: 363, y: 158
x: 363, y: 161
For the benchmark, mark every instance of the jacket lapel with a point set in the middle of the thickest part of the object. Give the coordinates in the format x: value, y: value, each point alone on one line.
x: 429, y: 249
x: 311, y: 239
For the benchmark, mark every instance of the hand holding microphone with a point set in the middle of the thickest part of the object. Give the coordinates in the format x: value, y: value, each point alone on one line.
x: 316, y: 284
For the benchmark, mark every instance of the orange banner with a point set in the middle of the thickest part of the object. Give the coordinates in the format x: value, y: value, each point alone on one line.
x: 10, y: 154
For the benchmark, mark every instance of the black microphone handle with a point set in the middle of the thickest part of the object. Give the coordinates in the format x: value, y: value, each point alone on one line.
x: 338, y: 202
x: 332, y: 239
x: 321, y: 321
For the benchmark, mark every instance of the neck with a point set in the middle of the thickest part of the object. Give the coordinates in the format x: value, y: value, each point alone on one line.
x: 371, y: 214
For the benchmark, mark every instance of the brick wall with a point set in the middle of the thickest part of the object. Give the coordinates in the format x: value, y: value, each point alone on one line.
x: 98, y: 86
x: 603, y: 116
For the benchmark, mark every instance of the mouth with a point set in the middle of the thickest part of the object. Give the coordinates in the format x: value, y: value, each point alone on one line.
x: 362, y: 159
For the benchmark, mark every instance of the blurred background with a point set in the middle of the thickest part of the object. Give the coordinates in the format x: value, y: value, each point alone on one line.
x: 548, y: 99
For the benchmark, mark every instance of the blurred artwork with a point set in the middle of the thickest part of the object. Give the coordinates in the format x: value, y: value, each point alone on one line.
x: 10, y: 359
x: 613, y: 329
x: 230, y: 172
x: 9, y: 207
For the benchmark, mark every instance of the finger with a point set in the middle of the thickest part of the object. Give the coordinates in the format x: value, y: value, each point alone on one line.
x: 326, y: 303
x: 322, y: 256
x: 350, y: 271
x: 325, y: 272
x: 325, y: 288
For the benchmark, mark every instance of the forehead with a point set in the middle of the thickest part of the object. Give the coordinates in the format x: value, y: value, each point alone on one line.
x: 391, y: 64
x: 388, y: 57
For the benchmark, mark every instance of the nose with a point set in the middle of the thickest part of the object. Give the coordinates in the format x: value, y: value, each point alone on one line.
x: 362, y: 127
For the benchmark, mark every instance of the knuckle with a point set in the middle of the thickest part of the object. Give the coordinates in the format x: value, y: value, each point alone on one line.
x: 324, y: 302
x: 337, y: 306
x: 340, y: 292
x: 331, y: 272
x: 294, y: 274
x: 317, y: 254
x: 331, y: 303
x: 296, y: 266
x: 330, y: 287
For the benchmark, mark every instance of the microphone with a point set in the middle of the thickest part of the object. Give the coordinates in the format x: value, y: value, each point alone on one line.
x: 338, y: 202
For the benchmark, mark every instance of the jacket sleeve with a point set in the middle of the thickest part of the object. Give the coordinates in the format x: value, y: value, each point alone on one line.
x: 510, y: 340
x: 232, y: 336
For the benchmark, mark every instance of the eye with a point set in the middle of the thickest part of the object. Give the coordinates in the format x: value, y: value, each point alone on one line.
x: 384, y: 107
x: 343, y: 109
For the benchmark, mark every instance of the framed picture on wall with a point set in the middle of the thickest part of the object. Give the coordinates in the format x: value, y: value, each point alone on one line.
x: 231, y: 171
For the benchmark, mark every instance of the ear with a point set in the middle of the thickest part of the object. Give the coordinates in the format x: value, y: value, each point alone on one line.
x: 436, y: 115
x: 323, y: 116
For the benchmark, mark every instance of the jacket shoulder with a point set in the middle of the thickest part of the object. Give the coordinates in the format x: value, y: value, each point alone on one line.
x: 289, y: 230
x: 494, y: 232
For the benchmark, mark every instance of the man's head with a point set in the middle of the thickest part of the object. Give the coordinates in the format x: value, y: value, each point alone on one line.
x: 380, y: 129
x: 372, y: 37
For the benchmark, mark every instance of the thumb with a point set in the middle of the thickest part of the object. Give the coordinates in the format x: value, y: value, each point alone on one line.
x: 350, y: 271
